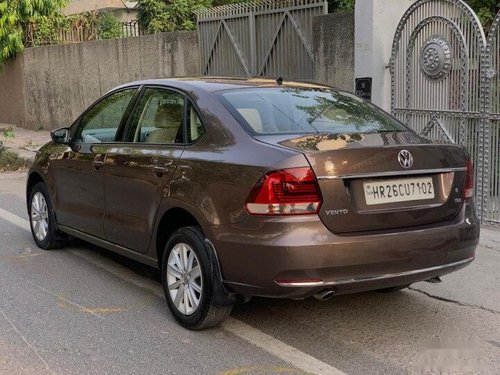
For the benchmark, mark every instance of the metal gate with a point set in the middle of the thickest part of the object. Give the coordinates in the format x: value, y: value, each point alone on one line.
x: 492, y: 134
x: 259, y: 38
x: 445, y: 85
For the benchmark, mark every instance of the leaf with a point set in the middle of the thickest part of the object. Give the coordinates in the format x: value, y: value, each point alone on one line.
x: 8, y: 133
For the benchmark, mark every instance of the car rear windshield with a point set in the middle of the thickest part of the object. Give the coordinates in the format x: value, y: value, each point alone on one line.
x: 296, y: 110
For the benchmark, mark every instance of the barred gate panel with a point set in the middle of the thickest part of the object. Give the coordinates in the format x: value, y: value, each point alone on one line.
x: 260, y: 38
x: 493, y: 76
x: 446, y: 85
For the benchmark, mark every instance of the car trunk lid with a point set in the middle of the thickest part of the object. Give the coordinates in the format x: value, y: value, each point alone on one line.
x: 365, y: 187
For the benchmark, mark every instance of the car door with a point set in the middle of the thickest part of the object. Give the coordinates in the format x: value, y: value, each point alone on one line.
x: 138, y: 170
x: 79, y: 195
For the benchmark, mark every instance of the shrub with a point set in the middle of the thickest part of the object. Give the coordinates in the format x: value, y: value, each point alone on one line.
x: 108, y: 27
x: 10, y: 161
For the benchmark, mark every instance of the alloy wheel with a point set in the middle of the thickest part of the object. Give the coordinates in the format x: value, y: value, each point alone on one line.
x: 39, y: 216
x: 184, y: 278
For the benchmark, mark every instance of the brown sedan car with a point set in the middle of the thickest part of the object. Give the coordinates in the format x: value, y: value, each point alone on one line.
x: 239, y: 188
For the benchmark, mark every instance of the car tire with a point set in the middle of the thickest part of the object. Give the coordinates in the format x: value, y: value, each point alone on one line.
x: 393, y: 289
x: 43, y: 219
x: 187, y: 281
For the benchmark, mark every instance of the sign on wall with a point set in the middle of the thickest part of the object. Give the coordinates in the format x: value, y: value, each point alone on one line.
x: 364, y: 87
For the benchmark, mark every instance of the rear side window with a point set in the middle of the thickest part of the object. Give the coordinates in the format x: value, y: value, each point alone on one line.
x: 296, y: 110
x: 195, y: 127
x: 158, y: 118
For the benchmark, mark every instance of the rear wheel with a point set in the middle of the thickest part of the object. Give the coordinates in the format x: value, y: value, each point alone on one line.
x: 187, y: 281
x: 43, y: 220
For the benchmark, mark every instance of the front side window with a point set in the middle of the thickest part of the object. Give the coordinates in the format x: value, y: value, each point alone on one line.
x: 158, y: 118
x: 101, y: 122
x: 301, y: 111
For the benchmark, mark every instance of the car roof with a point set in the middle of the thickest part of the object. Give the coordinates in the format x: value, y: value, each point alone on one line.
x: 213, y: 84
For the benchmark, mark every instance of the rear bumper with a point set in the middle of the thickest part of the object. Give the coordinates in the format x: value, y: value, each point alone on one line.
x: 297, y: 257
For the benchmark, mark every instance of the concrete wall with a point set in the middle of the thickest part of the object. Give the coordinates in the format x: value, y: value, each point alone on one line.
x: 12, y: 95
x: 48, y: 87
x: 376, y: 22
x: 56, y: 83
x: 333, y: 49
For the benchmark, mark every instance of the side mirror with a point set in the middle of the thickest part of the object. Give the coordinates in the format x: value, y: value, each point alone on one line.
x: 60, y: 135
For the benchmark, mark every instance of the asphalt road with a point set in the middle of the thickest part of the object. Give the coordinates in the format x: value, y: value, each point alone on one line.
x: 83, y: 310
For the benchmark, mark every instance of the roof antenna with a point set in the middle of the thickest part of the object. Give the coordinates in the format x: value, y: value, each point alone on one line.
x: 279, y: 81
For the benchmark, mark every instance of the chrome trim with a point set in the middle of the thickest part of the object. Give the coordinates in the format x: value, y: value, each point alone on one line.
x: 375, y: 278
x: 143, y: 258
x: 399, y: 209
x: 393, y: 173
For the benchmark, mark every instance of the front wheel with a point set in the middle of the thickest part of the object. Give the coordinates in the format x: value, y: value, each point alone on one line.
x: 42, y: 219
x: 187, y: 281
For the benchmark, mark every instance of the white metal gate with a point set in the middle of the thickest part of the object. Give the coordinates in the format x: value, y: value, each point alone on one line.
x: 259, y: 38
x: 492, y: 132
x: 445, y: 85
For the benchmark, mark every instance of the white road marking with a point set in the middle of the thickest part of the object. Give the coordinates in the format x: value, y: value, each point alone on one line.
x: 14, y: 219
x: 278, y: 348
x: 254, y: 336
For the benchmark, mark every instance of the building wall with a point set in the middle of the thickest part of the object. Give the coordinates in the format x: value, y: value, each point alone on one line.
x: 48, y: 87
x: 333, y: 49
x: 125, y: 15
x: 377, y: 21
x: 81, y: 6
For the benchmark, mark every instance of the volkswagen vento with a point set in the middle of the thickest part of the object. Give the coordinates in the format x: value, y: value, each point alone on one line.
x: 239, y: 188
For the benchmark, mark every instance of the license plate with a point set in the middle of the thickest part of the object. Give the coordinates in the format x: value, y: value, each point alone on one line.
x: 400, y: 190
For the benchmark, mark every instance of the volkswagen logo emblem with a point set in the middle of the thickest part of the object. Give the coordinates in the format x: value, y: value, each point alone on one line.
x: 405, y: 158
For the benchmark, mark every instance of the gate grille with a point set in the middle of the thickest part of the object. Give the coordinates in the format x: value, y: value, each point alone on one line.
x: 259, y: 38
x: 445, y: 85
x: 492, y: 134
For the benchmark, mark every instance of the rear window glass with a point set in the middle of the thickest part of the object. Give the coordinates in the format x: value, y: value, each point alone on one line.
x: 296, y: 110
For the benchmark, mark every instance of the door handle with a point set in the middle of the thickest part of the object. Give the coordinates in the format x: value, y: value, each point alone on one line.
x: 162, y: 168
x: 98, y: 162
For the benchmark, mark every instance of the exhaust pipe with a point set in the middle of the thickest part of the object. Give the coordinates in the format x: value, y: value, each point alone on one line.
x: 325, y: 295
x: 434, y: 280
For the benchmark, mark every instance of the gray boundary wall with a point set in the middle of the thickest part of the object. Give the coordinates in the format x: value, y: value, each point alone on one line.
x: 333, y: 50
x: 12, y: 98
x: 48, y: 87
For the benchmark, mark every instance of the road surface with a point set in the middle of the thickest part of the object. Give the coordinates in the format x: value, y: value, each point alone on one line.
x: 83, y: 310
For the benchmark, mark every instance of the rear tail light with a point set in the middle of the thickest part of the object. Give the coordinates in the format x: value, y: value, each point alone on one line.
x: 469, y: 181
x: 285, y: 192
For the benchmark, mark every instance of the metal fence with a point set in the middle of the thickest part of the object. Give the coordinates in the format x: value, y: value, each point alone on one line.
x: 132, y: 28
x: 76, y: 33
x: 445, y: 84
x: 259, y: 38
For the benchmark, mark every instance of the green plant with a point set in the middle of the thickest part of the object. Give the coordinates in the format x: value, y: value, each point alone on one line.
x: 169, y: 15
x: 8, y: 132
x: 485, y: 9
x: 10, y: 161
x: 108, y: 27
x: 15, y: 16
x: 46, y: 30
x: 340, y: 5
